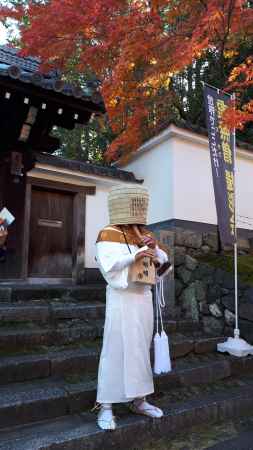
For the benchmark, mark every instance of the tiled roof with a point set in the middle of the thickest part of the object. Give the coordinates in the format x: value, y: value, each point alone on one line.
x: 86, y: 167
x: 189, y: 126
x: 9, y: 56
x: 26, y: 69
x: 203, y: 131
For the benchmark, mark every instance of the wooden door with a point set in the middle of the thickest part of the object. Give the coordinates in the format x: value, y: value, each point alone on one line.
x: 51, y: 234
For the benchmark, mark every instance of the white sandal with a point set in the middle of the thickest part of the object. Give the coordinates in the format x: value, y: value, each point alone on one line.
x: 106, y: 420
x: 141, y: 406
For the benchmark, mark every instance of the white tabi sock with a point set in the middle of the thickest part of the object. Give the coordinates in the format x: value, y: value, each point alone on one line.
x: 106, y: 419
x: 141, y: 406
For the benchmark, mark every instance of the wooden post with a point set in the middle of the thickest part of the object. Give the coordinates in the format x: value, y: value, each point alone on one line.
x: 79, y: 236
x: 26, y: 231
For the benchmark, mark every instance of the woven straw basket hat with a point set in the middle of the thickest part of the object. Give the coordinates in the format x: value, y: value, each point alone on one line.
x: 128, y: 205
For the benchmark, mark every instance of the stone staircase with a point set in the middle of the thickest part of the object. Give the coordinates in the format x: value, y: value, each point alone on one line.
x: 50, y: 338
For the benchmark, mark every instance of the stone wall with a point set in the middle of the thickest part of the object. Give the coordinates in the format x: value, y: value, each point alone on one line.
x: 204, y: 292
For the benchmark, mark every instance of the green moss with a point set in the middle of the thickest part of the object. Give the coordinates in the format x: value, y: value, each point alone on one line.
x: 15, y: 325
x: 80, y: 377
x: 202, y: 437
x: 226, y: 262
x: 22, y: 351
x: 197, y: 438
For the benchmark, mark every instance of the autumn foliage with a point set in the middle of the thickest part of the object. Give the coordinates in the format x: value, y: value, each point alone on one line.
x: 135, y: 47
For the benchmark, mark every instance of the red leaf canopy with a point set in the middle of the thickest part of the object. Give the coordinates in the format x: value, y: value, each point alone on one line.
x: 135, y: 47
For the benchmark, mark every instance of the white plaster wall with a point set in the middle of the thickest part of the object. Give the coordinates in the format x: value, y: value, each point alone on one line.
x: 193, y: 195
x: 96, y: 219
x: 155, y: 166
x: 176, y: 169
x: 192, y: 189
x: 245, y: 190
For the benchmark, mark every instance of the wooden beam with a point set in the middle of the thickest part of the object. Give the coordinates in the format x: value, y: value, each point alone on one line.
x: 51, y: 96
x: 60, y: 186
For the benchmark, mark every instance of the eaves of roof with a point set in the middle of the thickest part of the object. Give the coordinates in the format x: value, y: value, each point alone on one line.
x: 203, y: 131
x: 26, y: 70
x: 87, y: 168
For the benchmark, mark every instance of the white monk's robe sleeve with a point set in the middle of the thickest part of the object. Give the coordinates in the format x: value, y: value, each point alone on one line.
x: 114, y: 260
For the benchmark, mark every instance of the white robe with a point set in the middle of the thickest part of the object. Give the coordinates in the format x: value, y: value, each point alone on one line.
x: 124, y: 368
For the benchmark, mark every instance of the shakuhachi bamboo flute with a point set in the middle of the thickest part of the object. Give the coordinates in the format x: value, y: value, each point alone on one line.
x: 138, y: 235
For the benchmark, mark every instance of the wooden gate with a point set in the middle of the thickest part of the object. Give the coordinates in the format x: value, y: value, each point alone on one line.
x: 51, y: 234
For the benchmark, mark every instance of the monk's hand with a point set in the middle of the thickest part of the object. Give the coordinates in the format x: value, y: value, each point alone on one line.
x: 149, y: 241
x: 145, y: 253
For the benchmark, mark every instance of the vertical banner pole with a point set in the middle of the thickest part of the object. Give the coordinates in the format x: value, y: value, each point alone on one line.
x: 222, y: 144
x: 236, y: 330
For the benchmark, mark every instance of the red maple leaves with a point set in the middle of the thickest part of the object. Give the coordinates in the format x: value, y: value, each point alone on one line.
x: 135, y: 47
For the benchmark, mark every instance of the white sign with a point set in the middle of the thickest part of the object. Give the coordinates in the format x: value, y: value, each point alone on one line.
x: 7, y: 216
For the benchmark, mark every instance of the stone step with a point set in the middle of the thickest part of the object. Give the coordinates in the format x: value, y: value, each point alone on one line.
x: 183, y: 408
x: 29, y: 292
x: 215, y: 436
x: 50, y: 363
x: 42, y: 399
x: 71, y: 360
x: 243, y: 441
x: 64, y: 330
x: 53, y: 311
x: 32, y: 336
x: 49, y: 311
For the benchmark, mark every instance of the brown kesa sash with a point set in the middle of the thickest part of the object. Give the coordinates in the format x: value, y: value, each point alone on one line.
x: 115, y: 233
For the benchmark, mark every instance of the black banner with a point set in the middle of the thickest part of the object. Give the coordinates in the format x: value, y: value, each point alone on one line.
x: 221, y: 144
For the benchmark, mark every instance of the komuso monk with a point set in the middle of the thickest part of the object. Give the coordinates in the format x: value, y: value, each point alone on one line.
x: 125, y: 374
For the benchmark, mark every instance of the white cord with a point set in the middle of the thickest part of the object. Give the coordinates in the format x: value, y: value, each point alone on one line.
x: 156, y: 303
x: 160, y: 303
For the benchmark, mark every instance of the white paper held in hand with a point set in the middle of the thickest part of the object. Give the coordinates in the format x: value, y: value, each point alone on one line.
x: 7, y: 216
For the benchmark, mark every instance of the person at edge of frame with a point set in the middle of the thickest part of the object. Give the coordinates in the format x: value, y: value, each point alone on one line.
x: 125, y: 374
x: 3, y: 237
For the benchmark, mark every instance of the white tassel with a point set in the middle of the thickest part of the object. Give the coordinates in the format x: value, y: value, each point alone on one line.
x: 158, y: 354
x: 162, y: 363
x: 166, y: 361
